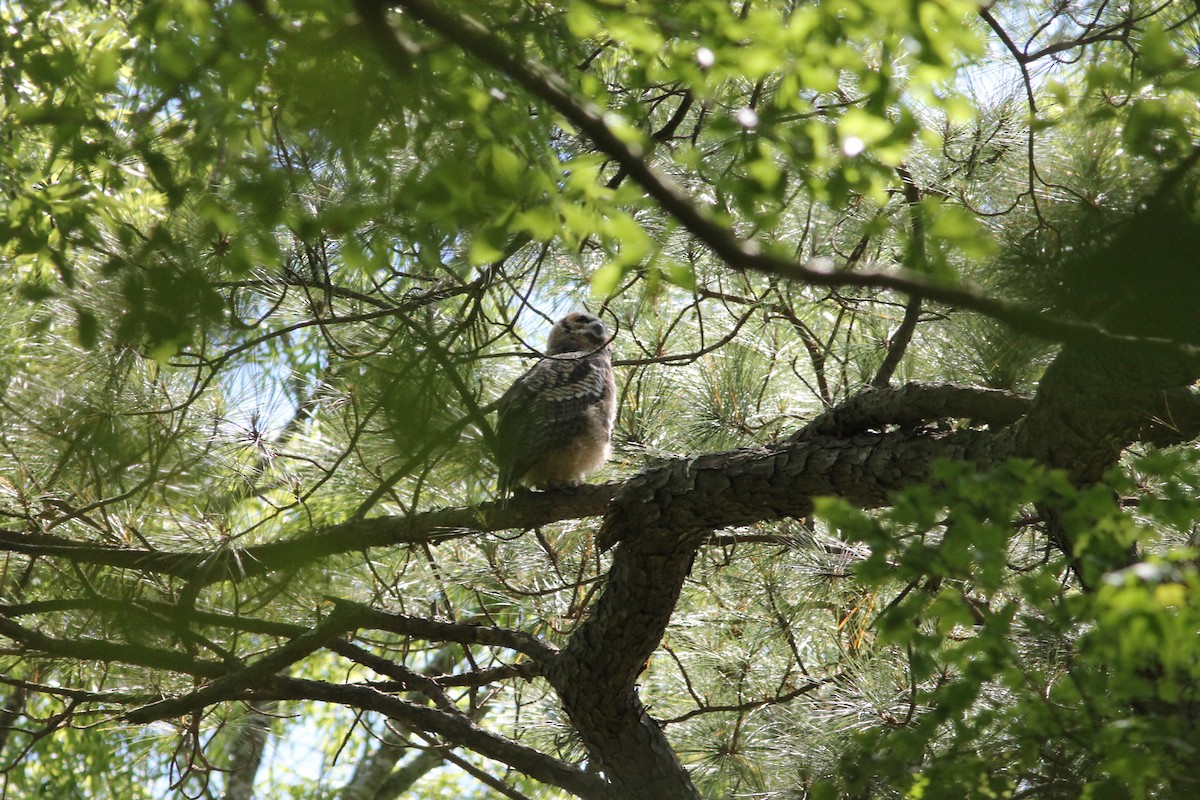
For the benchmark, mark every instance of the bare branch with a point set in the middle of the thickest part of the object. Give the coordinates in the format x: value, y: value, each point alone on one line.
x: 460, y: 632
x: 343, y: 619
x: 457, y: 729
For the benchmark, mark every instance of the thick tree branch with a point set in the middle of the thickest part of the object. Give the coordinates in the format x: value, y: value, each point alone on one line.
x: 869, y: 410
x: 718, y: 490
x: 233, y: 563
x: 661, y: 516
x: 914, y: 403
x: 87, y: 649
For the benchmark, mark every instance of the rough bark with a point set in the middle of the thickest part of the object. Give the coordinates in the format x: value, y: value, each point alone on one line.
x: 595, y: 674
x: 1092, y: 403
x: 659, y: 518
x: 1088, y: 409
x: 741, y: 487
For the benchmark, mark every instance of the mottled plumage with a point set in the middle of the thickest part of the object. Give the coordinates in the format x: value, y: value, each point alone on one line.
x: 556, y: 420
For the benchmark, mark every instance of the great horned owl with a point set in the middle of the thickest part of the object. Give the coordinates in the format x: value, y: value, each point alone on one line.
x: 556, y: 420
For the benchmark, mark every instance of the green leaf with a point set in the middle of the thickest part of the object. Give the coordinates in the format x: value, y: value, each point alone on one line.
x: 106, y: 64
x: 542, y: 223
x: 582, y: 21
x: 1159, y: 54
x: 680, y: 274
x: 507, y: 165
x: 487, y: 246
x: 606, y: 279
x: 860, y: 124
x: 964, y: 230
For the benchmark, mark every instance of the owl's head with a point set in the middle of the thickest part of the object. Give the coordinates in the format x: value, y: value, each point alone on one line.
x: 577, y: 332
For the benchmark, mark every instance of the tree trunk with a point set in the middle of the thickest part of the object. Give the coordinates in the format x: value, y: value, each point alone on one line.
x: 246, y: 752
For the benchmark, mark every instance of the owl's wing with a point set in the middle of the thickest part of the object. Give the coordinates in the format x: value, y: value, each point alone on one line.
x: 544, y: 409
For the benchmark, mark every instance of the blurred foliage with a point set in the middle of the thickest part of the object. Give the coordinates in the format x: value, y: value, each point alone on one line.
x: 265, y: 273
